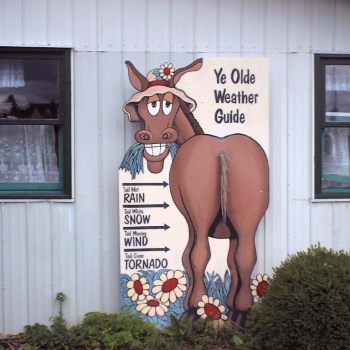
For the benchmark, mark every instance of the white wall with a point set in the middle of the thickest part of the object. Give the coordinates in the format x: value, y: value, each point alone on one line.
x: 72, y: 247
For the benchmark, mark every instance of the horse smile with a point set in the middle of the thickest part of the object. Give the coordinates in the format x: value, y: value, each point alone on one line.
x: 155, y: 149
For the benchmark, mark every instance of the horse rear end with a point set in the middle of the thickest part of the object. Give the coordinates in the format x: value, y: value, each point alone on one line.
x: 199, y: 179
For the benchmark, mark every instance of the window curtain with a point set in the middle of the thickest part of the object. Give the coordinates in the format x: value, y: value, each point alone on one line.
x: 27, y: 154
x: 11, y: 73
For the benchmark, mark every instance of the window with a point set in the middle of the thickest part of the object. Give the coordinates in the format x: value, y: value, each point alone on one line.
x: 332, y: 126
x: 35, y: 123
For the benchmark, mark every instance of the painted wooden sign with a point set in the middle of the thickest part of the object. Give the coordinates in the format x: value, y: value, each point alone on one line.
x: 193, y: 189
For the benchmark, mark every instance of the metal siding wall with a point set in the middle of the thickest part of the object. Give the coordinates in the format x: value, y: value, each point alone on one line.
x: 277, y: 214
x: 60, y: 24
x: 15, y: 310
x: 64, y: 260
x: 51, y: 247
x: 87, y: 182
x: 299, y: 150
x: 111, y: 155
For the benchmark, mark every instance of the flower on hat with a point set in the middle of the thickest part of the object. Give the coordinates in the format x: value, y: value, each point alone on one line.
x: 166, y: 71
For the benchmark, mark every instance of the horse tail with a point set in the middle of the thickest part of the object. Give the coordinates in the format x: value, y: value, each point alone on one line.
x: 223, y: 184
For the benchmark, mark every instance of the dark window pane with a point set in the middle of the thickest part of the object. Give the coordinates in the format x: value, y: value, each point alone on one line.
x: 28, y: 153
x: 336, y: 158
x: 29, y: 88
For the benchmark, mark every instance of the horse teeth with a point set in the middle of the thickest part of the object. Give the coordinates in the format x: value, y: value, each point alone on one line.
x: 155, y: 149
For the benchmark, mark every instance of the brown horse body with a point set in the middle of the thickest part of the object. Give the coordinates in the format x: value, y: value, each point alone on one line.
x: 220, y: 185
x: 195, y: 183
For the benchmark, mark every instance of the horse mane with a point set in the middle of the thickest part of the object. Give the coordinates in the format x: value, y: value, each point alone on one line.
x: 186, y: 124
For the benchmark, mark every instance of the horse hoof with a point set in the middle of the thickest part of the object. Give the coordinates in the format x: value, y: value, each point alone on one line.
x: 191, y: 314
x: 238, y: 319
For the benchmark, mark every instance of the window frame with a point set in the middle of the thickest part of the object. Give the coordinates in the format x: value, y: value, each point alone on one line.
x: 320, y: 63
x: 63, y: 122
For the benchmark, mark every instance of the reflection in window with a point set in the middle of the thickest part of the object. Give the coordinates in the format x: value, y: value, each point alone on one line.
x: 29, y: 89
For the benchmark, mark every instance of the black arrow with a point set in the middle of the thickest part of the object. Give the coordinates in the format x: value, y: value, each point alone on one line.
x: 164, y: 184
x: 165, y: 249
x: 164, y: 227
x: 164, y: 205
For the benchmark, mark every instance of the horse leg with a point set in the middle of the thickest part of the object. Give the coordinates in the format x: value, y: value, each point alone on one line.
x: 245, y: 259
x: 231, y: 263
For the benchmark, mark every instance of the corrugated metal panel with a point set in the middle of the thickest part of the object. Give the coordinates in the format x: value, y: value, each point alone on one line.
x: 87, y: 183
x: 205, y: 26
x: 73, y: 247
x: 322, y: 224
x: 181, y: 26
x: 276, y: 216
x: 342, y: 25
x: 15, y: 262
x: 299, y: 25
x: 11, y: 23
x: 157, y: 27
x: 299, y: 151
x: 60, y: 23
x: 276, y: 25
x: 134, y: 26
x: 85, y: 25
x: 341, y: 226
x: 229, y: 26
x: 64, y: 261
x: 323, y: 17
x: 110, y: 24
x: 35, y: 23
x: 253, y: 26
x: 111, y: 155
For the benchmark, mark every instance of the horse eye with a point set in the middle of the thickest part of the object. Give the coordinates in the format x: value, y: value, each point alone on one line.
x: 153, y: 108
x: 167, y: 107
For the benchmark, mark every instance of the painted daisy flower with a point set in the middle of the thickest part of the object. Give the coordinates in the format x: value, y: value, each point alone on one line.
x: 259, y: 287
x: 138, y: 287
x: 166, y: 71
x: 151, y: 306
x: 170, y: 286
x: 208, y: 307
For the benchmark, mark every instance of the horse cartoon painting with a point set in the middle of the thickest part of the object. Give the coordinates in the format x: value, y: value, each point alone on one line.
x: 220, y: 185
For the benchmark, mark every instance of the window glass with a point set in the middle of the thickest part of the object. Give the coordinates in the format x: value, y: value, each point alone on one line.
x: 332, y: 126
x: 336, y: 159
x: 35, y: 124
x: 29, y: 88
x: 338, y: 93
x: 28, y: 153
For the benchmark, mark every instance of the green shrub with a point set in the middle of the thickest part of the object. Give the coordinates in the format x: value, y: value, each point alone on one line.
x: 113, y: 331
x: 307, y: 305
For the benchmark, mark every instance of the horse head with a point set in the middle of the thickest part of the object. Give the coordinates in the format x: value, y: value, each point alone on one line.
x: 161, y: 107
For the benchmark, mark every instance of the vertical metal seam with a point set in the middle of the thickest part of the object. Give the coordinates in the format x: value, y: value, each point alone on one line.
x: 170, y: 31
x: 22, y: 15
x: 334, y: 25
x: 194, y: 28
x: 72, y: 24
x: 218, y: 27
x: 99, y: 33
x: 2, y: 264
x: 52, y: 237
x: 287, y: 155
x: 241, y: 27
x: 99, y: 151
x: 27, y: 242
x: 311, y: 43
x: 47, y: 22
